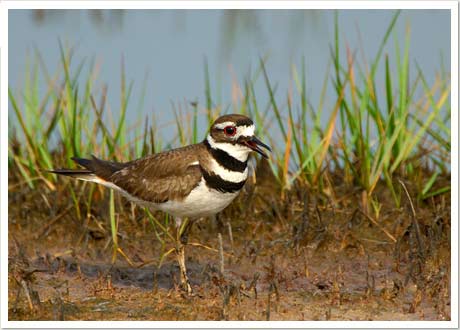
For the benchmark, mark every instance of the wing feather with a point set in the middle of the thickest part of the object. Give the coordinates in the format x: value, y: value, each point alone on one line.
x: 169, y: 175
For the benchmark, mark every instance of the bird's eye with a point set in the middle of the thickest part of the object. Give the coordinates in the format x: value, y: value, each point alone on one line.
x: 230, y: 130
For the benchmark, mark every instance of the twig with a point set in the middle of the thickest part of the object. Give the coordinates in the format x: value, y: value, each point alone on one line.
x: 230, y: 235
x: 267, y: 312
x: 53, y: 221
x: 253, y: 284
x: 418, y: 234
x: 374, y: 241
x: 221, y: 254
x: 378, y: 225
x: 206, y: 247
x: 119, y: 250
x: 27, y: 293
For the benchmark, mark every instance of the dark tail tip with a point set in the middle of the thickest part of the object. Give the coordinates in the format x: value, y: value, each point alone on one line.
x: 69, y: 172
x: 86, y: 163
x: 82, y: 174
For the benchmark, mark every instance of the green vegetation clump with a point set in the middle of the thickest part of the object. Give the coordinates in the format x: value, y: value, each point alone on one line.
x: 371, y: 138
x: 349, y: 220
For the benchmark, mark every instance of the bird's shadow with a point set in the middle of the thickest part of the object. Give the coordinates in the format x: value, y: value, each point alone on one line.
x: 145, y: 277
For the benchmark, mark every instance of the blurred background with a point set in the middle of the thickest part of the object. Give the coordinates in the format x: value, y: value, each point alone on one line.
x: 165, y: 52
x: 350, y: 217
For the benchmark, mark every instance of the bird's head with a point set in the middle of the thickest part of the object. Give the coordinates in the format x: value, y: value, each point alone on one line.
x: 234, y: 134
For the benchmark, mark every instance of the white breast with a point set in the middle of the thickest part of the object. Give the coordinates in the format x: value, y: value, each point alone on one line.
x: 201, y: 202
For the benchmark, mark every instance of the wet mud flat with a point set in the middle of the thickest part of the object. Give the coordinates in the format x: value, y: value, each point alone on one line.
x: 289, y: 258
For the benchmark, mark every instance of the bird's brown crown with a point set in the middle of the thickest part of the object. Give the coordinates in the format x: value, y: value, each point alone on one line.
x: 239, y: 120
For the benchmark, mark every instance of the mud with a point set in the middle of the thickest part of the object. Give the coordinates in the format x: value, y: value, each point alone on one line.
x: 297, y: 257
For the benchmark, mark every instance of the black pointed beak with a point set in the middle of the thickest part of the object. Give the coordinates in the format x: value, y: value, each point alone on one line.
x: 254, y: 143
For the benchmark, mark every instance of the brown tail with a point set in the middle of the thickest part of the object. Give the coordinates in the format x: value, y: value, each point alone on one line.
x: 69, y: 172
x: 93, y: 168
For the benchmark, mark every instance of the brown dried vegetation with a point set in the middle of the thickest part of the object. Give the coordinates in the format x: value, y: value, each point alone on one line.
x: 308, y: 256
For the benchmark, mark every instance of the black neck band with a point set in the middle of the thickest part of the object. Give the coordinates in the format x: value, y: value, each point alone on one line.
x: 214, y: 181
x: 225, y: 160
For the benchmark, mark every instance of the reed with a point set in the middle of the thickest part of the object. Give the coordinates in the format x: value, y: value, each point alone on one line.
x: 369, y: 137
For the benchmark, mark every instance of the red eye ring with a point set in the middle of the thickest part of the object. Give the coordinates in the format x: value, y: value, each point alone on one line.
x: 230, y: 130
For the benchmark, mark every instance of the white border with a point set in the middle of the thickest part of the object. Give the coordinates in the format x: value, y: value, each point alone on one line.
x: 4, y: 161
x: 454, y: 203
x: 225, y: 4
x: 4, y: 6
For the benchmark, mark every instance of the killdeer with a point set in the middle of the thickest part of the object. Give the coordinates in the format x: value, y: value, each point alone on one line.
x: 191, y: 182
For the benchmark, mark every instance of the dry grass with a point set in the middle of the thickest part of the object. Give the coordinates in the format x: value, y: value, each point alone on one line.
x: 305, y: 257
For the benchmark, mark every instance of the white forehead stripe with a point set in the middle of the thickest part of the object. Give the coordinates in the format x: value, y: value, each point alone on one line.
x: 245, y: 131
x: 224, y: 124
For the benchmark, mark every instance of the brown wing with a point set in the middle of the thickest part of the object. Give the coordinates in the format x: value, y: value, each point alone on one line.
x: 169, y: 175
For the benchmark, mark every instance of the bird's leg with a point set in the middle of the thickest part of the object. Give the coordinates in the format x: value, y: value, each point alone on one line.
x: 186, y: 227
x: 185, y: 282
x: 182, y: 230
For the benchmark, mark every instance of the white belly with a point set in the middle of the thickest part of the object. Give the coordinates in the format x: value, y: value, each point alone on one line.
x: 201, y: 202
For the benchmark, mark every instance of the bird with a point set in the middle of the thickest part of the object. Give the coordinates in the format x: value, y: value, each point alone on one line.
x: 188, y: 183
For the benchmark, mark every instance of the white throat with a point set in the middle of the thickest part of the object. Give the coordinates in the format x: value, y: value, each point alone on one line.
x: 235, y: 150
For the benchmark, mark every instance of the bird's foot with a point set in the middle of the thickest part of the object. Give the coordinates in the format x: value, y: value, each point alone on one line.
x: 184, y: 281
x: 187, y: 288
